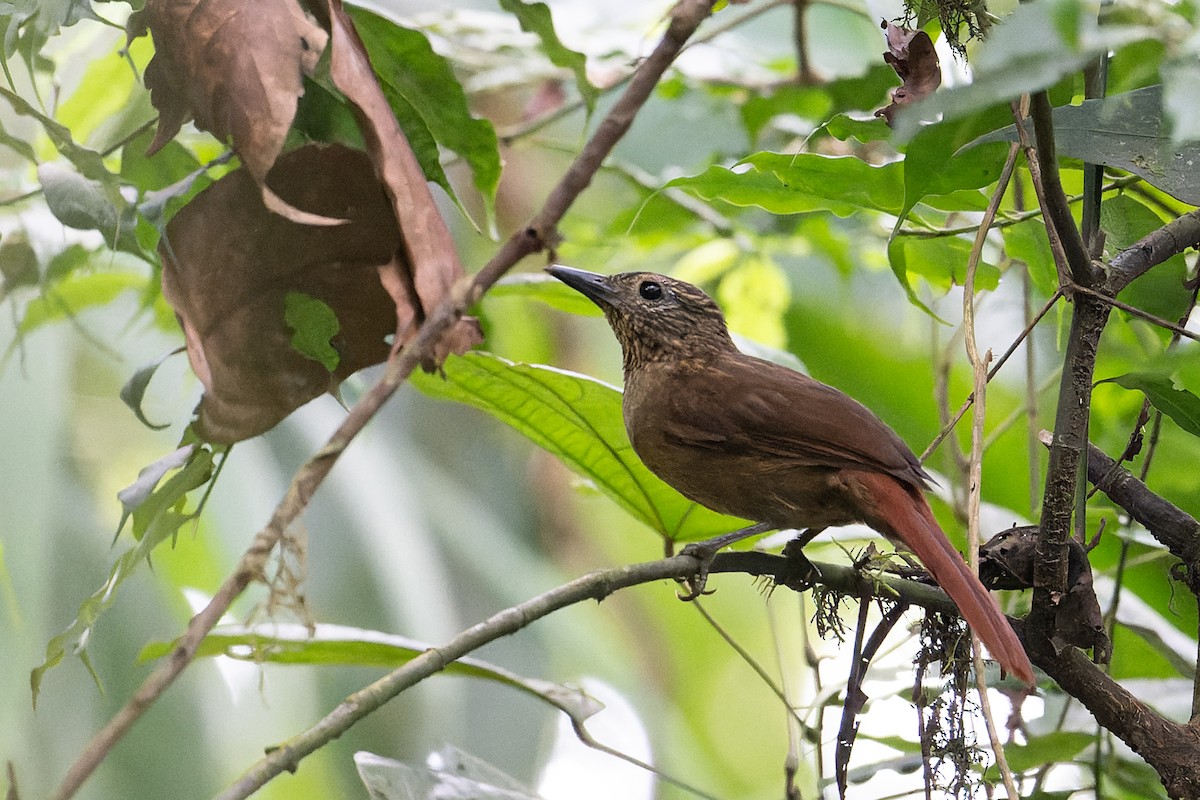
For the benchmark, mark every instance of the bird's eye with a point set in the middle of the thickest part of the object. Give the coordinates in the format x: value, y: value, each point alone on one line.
x: 649, y: 290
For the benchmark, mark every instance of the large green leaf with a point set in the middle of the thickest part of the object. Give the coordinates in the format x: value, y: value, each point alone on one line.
x: 1125, y: 131
x: 1162, y: 291
x: 429, y: 101
x: 1049, y: 748
x: 793, y: 184
x: 345, y: 646
x: 1180, y: 405
x: 941, y: 260
x: 578, y: 419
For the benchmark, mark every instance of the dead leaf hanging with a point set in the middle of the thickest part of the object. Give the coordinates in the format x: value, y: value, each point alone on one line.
x: 230, y: 264
x: 237, y: 68
x: 912, y: 55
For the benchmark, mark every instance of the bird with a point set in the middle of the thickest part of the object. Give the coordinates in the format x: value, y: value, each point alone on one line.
x: 757, y: 440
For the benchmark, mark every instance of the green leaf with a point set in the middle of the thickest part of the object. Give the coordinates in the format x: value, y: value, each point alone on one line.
x: 1027, y: 241
x: 423, y: 91
x: 1180, y: 405
x: 1161, y: 291
x: 1057, y: 747
x: 1125, y: 131
x: 845, y: 127
x: 160, y: 519
x: 134, y: 390
x: 535, y: 18
x: 313, y: 325
x: 578, y: 419
x: 793, y: 184
x: 76, y: 201
x: 88, y: 162
x: 941, y: 260
x: 77, y: 292
x: 339, y: 645
x: 934, y: 165
x: 544, y: 289
x: 1141, y: 652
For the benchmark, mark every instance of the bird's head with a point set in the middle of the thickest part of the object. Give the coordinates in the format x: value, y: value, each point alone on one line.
x: 655, y: 318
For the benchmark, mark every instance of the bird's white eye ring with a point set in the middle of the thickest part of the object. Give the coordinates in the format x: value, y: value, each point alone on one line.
x: 649, y: 290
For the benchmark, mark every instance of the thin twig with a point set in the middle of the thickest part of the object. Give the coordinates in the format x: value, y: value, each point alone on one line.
x: 1178, y: 330
x: 745, y: 655
x: 979, y: 372
x: 1012, y: 348
x: 539, y: 234
x: 1008, y: 220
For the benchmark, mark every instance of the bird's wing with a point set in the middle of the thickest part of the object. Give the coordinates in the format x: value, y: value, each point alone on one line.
x: 746, y: 406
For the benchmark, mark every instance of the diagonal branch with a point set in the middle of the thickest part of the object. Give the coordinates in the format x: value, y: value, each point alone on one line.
x: 541, y: 233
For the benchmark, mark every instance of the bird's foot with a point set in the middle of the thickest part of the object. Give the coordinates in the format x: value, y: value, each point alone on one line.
x: 706, y: 551
x: 798, y: 573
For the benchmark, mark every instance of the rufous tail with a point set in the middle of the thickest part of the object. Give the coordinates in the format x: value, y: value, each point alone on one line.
x: 905, y: 514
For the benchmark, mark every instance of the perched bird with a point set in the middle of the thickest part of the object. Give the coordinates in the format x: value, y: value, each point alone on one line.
x: 754, y: 439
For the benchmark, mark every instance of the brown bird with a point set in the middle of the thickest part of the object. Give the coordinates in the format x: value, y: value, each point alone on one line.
x: 759, y: 441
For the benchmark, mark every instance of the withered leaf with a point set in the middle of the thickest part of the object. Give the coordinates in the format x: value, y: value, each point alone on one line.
x: 431, y: 267
x: 911, y: 54
x: 1006, y: 561
x: 229, y: 265
x: 236, y: 68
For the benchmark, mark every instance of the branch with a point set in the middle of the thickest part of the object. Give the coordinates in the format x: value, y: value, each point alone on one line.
x: 1052, y: 196
x: 1175, y: 528
x: 595, y: 586
x: 1169, y: 240
x: 541, y: 233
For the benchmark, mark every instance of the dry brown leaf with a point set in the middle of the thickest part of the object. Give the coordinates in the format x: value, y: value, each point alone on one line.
x: 433, y: 259
x: 237, y: 68
x: 912, y: 55
x: 228, y: 263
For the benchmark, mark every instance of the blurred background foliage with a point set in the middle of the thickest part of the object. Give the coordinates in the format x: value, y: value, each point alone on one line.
x: 440, y: 515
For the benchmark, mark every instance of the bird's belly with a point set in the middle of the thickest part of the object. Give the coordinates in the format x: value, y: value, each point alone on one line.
x: 795, y: 496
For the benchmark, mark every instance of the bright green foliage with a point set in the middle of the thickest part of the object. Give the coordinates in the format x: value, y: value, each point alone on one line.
x: 338, y: 645
x: 578, y: 419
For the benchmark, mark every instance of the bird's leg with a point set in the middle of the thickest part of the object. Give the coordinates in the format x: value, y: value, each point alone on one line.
x: 707, y: 550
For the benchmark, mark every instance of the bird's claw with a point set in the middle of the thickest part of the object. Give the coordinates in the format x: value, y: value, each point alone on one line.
x: 696, y: 584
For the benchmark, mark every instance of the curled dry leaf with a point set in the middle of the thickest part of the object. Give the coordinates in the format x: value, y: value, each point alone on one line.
x: 229, y: 264
x: 237, y: 68
x: 431, y: 265
x: 1006, y: 561
x: 912, y: 55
